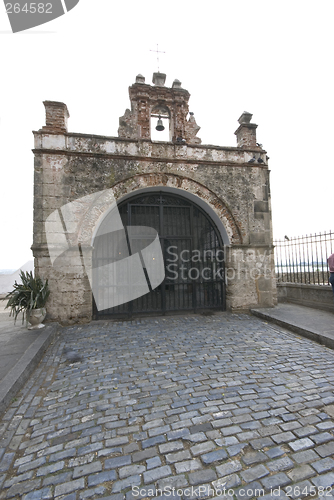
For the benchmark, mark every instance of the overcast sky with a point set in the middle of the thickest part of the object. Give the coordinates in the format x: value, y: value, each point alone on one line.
x: 273, y: 59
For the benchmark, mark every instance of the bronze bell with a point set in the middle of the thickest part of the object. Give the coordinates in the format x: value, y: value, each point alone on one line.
x: 160, y: 125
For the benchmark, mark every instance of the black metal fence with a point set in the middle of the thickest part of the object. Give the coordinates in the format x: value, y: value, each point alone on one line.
x: 303, y: 259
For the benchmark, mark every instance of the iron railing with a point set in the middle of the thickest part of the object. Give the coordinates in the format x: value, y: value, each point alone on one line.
x: 303, y: 259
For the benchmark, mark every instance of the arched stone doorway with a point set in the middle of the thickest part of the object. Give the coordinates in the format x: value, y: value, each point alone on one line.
x: 193, y: 252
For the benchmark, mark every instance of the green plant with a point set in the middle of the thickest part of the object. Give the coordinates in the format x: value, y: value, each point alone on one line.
x: 32, y: 293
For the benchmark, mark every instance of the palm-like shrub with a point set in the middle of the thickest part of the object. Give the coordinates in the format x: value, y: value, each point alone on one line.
x: 32, y: 293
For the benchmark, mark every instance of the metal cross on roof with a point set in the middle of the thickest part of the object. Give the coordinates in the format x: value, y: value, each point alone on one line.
x: 158, y: 52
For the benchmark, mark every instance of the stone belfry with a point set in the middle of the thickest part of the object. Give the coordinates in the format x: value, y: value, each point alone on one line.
x: 156, y: 101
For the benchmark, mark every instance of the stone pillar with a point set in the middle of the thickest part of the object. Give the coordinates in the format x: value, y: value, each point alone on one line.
x: 250, y: 277
x: 140, y: 79
x: 56, y: 116
x: 246, y: 133
x: 159, y: 79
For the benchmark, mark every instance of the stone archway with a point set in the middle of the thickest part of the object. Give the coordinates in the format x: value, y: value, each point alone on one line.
x: 230, y: 230
x: 84, y: 217
x: 192, y: 253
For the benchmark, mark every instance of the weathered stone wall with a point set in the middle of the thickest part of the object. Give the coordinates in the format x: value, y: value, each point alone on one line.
x: 316, y: 296
x: 236, y: 191
x: 233, y: 182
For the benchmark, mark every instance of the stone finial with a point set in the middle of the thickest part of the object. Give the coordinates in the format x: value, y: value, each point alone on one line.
x: 159, y: 79
x: 246, y: 132
x: 245, y: 117
x: 140, y: 79
x: 176, y: 84
x: 56, y: 117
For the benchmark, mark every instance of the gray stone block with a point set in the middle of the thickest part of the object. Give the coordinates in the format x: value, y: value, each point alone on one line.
x: 254, y: 457
x: 153, y: 462
x: 43, y: 494
x: 300, y: 473
x: 283, y: 437
x: 305, y: 456
x: 113, y: 463
x: 187, y: 466
x: 131, y: 470
x: 323, y: 465
x: 254, y: 473
x: 198, y: 437
x: 62, y: 489
x: 258, y: 444
x: 147, y: 443
x: 201, y: 448
x: 158, y: 473
x: 305, y: 431
x: 177, y: 434
x: 229, y: 431
x: 32, y: 465
x: 230, y: 481
x: 213, y: 456
x: 50, y: 469
x: 301, y: 444
x: 276, y: 481
x: 322, y: 437
x: 170, y: 447
x: 202, y: 477
x: 58, y: 479
x: 228, y: 468
x: 126, y: 483
x: 101, y: 477
x: 324, y: 481
x: 325, y: 450
x: 236, y: 449
x: 275, y: 452
x: 144, y: 455
x: 280, y: 464
x: 84, y: 470
x: 178, y: 456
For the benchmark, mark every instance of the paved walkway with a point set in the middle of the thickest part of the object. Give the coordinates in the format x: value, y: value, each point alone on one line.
x: 15, y: 339
x: 311, y: 323
x: 20, y: 352
x: 199, y: 404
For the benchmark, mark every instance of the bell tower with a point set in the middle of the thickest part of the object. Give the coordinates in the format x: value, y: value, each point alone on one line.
x: 167, y: 105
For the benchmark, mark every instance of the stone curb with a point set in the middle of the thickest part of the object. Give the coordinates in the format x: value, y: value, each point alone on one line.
x: 320, y: 338
x: 21, y: 371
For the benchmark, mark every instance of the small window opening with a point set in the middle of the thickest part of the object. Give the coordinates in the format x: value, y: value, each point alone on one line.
x: 160, y: 117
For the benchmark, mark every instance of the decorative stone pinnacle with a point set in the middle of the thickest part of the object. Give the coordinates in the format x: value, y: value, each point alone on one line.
x: 245, y: 117
x: 159, y: 79
x: 140, y: 79
x: 176, y: 84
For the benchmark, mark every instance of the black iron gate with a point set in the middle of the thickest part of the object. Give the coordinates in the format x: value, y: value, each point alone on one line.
x: 193, y: 257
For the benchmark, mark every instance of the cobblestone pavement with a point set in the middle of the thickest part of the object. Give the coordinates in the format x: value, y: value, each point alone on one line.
x: 195, y: 403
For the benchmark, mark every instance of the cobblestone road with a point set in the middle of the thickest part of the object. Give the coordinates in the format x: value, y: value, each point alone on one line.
x: 195, y: 403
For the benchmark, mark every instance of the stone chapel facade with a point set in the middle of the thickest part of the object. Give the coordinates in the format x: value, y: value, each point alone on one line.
x: 210, y: 206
